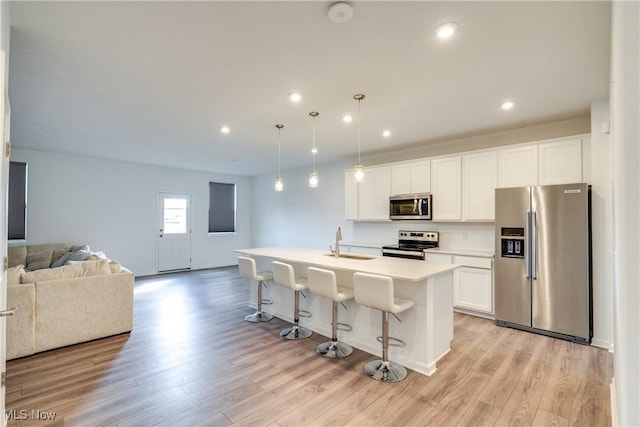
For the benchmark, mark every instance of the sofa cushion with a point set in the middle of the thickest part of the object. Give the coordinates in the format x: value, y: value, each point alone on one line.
x: 57, y: 249
x: 39, y: 259
x: 92, y: 268
x: 17, y: 255
x: 65, y: 272
x: 21, y: 326
x: 13, y: 274
x: 115, y: 267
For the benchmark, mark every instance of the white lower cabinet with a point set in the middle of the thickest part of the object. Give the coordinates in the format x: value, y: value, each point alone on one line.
x: 472, y: 283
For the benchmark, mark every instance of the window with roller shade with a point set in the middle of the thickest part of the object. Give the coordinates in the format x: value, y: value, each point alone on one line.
x: 222, y: 207
x: 17, y: 205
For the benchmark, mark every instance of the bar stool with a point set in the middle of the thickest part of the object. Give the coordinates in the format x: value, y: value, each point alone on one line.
x: 248, y: 269
x: 376, y: 291
x: 323, y: 282
x: 283, y: 275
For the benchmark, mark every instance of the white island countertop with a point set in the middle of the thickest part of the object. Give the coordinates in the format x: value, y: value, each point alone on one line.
x: 398, y: 268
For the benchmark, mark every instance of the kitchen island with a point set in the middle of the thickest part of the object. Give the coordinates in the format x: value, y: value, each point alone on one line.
x: 427, y: 328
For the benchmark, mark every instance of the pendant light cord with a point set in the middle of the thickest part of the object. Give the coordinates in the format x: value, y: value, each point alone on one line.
x: 313, y: 149
x: 359, y: 130
x: 279, y: 151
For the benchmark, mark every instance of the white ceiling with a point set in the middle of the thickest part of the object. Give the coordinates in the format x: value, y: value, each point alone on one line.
x: 153, y: 82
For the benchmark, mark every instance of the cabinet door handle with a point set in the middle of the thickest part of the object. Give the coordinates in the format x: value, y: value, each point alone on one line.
x: 6, y: 313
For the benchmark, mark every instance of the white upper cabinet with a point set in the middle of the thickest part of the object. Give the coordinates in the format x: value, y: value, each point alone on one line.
x: 560, y: 162
x: 411, y: 177
x: 400, y: 178
x: 518, y: 166
x: 350, y: 196
x: 373, y: 194
x: 446, y: 188
x: 463, y: 186
x: 480, y: 175
x: 421, y: 176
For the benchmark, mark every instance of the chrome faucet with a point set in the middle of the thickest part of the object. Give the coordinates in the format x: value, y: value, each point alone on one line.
x: 338, y: 238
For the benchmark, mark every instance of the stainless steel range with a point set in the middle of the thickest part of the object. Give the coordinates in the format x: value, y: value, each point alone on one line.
x: 412, y: 244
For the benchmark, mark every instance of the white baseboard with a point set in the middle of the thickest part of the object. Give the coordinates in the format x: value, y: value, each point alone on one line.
x: 600, y: 343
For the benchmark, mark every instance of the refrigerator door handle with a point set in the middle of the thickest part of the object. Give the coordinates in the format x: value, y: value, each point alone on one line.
x: 527, y: 264
x: 534, y: 245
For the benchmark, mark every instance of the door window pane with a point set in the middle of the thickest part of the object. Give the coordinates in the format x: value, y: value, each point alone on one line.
x: 175, y: 216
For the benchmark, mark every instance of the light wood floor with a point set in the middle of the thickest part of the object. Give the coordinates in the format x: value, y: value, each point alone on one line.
x: 192, y: 360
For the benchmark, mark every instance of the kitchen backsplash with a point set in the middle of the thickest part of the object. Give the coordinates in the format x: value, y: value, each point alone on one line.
x: 474, y: 236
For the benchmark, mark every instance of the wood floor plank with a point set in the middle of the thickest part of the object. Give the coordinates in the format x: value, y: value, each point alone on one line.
x: 520, y: 409
x: 201, y: 364
x: 548, y: 419
x: 501, y: 385
x: 479, y: 414
x: 453, y: 407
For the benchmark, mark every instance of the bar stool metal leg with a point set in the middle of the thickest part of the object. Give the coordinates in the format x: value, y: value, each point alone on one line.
x: 384, y: 370
x: 296, y: 332
x: 334, y: 349
x: 259, y: 316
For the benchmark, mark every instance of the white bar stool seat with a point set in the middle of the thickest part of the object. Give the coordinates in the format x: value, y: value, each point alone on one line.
x: 247, y: 268
x: 323, y: 282
x: 283, y: 275
x: 375, y: 291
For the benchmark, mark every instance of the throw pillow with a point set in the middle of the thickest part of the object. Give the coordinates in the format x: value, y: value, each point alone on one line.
x: 76, y: 248
x: 39, y: 260
x: 80, y: 255
x: 13, y: 274
x: 57, y: 254
x: 93, y: 268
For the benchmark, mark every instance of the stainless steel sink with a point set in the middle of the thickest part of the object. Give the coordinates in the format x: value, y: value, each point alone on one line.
x: 352, y: 256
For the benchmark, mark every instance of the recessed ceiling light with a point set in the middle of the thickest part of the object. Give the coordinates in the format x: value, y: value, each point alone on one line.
x: 340, y: 12
x: 347, y: 118
x: 295, y: 97
x: 507, y: 105
x: 446, y: 30
x: 225, y: 129
x: 386, y: 133
x: 314, y: 150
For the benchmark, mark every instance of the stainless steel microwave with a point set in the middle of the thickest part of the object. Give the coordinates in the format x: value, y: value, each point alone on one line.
x: 410, y: 206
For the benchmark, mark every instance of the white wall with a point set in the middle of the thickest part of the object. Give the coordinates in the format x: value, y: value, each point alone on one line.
x: 111, y: 206
x: 602, y: 229
x: 299, y: 216
x: 625, y: 137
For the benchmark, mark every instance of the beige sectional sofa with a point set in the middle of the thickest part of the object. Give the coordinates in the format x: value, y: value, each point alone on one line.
x: 79, y: 301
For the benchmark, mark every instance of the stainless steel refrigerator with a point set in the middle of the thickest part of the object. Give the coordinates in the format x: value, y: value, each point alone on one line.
x: 543, y: 260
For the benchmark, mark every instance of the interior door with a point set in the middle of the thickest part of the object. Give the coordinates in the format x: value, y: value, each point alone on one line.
x: 174, y: 232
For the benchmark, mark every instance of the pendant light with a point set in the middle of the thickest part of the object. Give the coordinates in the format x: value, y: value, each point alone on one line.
x: 358, y: 169
x: 279, y: 185
x: 313, y: 176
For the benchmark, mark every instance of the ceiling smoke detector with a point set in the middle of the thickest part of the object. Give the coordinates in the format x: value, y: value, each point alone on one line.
x: 340, y: 12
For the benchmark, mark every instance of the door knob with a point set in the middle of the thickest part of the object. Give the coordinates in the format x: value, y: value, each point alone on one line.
x: 6, y: 313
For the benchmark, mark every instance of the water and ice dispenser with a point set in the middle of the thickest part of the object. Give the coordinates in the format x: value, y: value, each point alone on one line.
x: 512, y: 242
